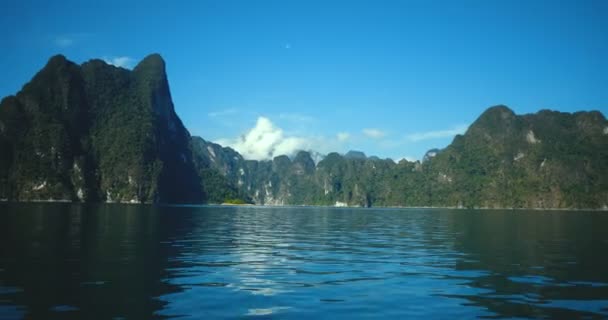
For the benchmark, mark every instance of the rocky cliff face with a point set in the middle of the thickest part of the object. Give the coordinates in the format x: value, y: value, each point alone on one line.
x: 335, y: 180
x: 96, y: 133
x: 543, y: 160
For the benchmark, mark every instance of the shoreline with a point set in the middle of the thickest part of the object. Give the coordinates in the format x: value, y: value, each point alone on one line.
x: 299, y: 206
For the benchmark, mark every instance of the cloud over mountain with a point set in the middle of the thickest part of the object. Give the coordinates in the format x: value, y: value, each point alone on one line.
x: 343, y: 136
x: 265, y: 141
x: 420, y: 136
x: 122, y: 62
x: 374, y: 133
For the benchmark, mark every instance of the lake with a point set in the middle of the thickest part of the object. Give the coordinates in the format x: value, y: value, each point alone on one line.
x: 63, y: 261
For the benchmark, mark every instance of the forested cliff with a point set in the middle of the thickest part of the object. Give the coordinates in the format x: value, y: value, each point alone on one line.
x: 95, y: 133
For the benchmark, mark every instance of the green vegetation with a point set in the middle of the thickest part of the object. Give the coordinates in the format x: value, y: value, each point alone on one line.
x: 235, y: 201
x: 95, y: 132
x: 543, y: 160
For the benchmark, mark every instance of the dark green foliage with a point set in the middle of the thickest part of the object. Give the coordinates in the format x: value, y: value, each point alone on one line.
x: 218, y: 169
x: 99, y: 133
x: 549, y: 159
x: 96, y: 132
x: 543, y: 160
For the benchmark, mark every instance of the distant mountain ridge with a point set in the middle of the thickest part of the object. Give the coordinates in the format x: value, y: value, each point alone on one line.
x: 544, y: 160
x: 94, y: 132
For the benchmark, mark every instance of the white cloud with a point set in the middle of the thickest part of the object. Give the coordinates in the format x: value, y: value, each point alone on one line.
x: 122, y: 62
x: 266, y: 141
x: 374, y: 133
x: 296, y: 117
x: 63, y: 41
x: 69, y: 39
x: 343, y: 136
x: 221, y: 113
x: 420, y: 136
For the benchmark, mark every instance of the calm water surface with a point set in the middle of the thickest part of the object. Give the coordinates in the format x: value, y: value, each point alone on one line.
x: 137, y: 262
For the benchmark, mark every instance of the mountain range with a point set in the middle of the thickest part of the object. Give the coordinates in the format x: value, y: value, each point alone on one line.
x: 99, y: 133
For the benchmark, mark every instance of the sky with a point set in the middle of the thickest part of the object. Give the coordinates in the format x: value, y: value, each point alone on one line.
x: 390, y: 78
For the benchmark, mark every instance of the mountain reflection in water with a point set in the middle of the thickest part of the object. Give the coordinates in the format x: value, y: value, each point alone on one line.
x: 137, y: 261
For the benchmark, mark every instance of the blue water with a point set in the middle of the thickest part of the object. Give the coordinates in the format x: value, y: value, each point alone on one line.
x: 133, y: 261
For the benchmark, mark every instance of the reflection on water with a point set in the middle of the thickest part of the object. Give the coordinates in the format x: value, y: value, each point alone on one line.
x: 113, y: 261
x: 80, y: 261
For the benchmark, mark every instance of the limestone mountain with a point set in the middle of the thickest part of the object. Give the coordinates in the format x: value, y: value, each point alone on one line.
x: 543, y: 160
x: 95, y: 132
x: 548, y: 159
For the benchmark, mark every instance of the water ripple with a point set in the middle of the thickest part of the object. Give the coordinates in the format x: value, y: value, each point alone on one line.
x: 142, y: 262
x: 368, y: 263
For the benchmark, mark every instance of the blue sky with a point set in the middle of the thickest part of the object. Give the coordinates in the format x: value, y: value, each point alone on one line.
x: 391, y: 78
